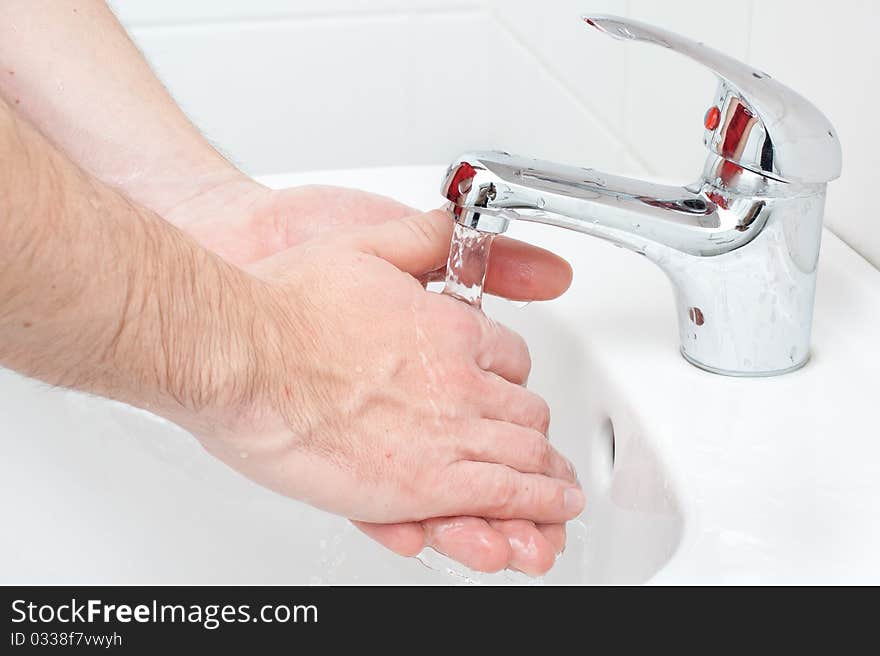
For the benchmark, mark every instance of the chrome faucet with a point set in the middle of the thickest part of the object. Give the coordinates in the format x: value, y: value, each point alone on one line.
x: 740, y: 244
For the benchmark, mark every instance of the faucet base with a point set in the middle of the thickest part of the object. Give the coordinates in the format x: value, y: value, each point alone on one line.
x: 743, y: 374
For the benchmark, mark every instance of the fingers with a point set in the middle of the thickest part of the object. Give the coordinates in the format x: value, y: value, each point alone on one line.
x: 415, y: 244
x: 405, y: 539
x: 493, y: 346
x: 523, y: 449
x: 469, y: 541
x: 522, y: 272
x: 530, y: 551
x: 515, y: 404
x: 555, y: 535
x: 419, y: 244
x: 483, y: 546
x: 499, y: 492
x: 490, y: 546
x: 503, y: 352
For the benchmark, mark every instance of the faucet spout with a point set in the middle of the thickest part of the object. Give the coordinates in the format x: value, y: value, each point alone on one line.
x: 740, y: 248
x: 489, y: 189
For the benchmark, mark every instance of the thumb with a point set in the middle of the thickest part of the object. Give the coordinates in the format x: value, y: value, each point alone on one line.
x: 416, y: 244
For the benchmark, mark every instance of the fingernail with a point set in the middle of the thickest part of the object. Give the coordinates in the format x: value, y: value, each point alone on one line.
x: 574, y: 500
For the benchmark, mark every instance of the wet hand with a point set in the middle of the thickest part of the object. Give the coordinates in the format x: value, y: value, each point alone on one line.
x: 246, y: 222
x: 517, y: 271
x: 377, y: 400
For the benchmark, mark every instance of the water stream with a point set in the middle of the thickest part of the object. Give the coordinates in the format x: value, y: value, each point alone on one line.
x: 467, y: 263
x: 465, y: 276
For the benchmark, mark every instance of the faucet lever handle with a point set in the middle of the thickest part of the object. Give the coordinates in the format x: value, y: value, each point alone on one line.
x: 761, y: 124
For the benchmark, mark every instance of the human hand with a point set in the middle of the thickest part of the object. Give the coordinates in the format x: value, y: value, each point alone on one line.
x: 246, y: 222
x: 372, y: 398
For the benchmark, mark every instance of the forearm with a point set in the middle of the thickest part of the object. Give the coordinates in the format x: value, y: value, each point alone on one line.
x: 101, y: 295
x: 72, y: 70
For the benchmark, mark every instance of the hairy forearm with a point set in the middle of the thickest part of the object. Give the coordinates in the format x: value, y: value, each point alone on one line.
x: 99, y: 294
x: 70, y: 68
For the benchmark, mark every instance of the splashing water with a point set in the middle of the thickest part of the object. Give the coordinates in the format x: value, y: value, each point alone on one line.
x: 467, y: 263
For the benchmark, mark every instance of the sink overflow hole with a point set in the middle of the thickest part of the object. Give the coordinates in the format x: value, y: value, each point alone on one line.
x: 603, y: 454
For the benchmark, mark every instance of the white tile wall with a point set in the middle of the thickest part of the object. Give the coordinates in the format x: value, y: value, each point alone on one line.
x: 833, y: 58
x: 283, y: 85
x: 666, y: 94
x: 322, y: 93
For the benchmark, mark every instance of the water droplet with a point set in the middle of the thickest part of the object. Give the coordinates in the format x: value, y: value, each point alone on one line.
x: 541, y: 202
x: 243, y: 455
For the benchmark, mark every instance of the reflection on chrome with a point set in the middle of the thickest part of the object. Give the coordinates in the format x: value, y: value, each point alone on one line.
x: 740, y: 245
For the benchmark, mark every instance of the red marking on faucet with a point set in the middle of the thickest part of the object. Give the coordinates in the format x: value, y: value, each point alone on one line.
x: 696, y: 316
x: 736, y: 131
x: 464, y: 173
x: 718, y: 199
x: 712, y: 118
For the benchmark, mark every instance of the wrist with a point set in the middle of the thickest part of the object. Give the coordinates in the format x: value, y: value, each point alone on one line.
x: 207, y: 193
x: 200, y: 351
x: 223, y: 213
x: 101, y: 295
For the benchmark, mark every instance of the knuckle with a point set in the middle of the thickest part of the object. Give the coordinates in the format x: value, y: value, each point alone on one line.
x: 461, y: 320
x: 504, y: 493
x: 526, y: 362
x: 480, y: 326
x: 551, y: 496
x: 523, y: 349
x: 539, y: 415
x: 542, y: 453
x: 518, y: 351
x: 465, y: 383
x: 421, y: 230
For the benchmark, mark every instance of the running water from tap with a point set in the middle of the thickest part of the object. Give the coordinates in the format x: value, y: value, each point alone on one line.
x: 467, y: 263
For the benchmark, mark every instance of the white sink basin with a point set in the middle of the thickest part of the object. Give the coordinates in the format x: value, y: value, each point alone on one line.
x: 691, y: 477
